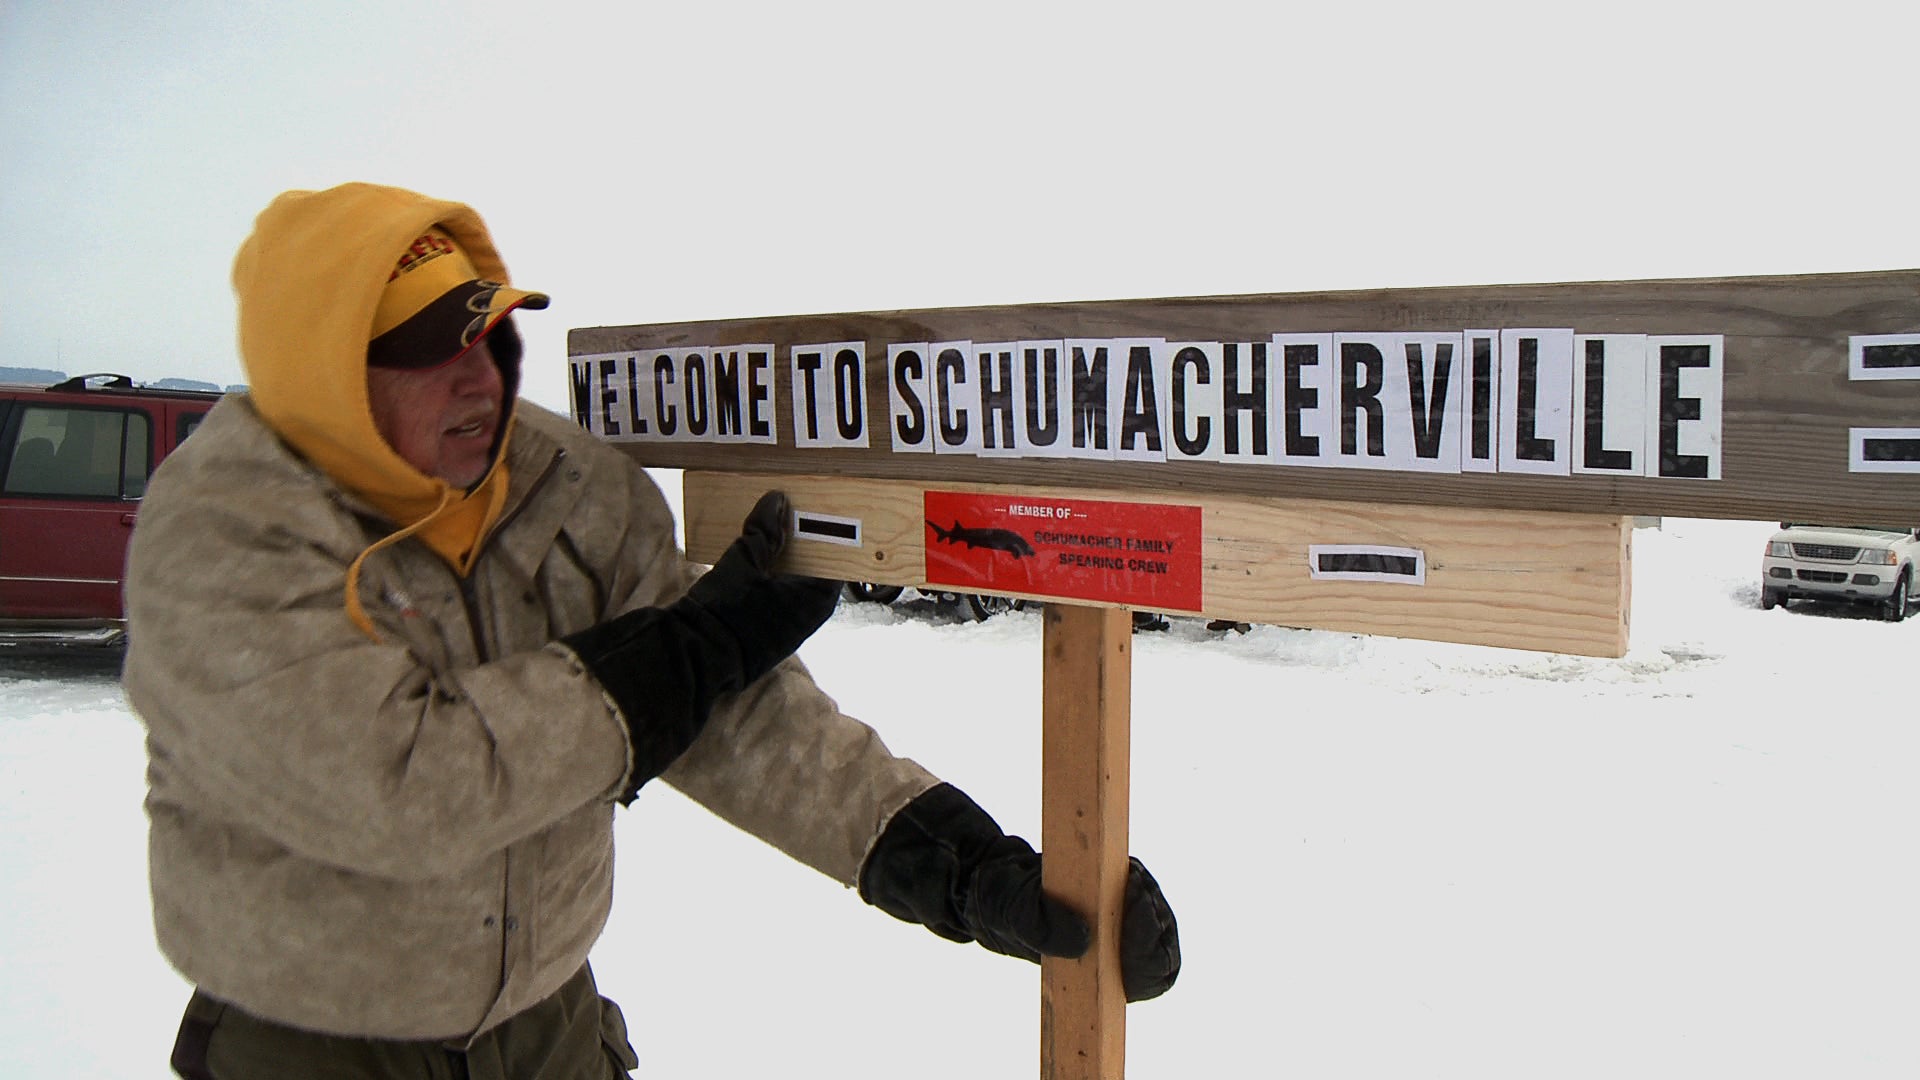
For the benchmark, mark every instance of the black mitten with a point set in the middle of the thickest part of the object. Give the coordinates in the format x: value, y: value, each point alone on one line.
x: 768, y: 614
x: 1149, y: 937
x: 665, y: 667
x: 944, y: 863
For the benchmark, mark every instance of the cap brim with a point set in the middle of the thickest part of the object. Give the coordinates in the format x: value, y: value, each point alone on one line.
x: 445, y: 329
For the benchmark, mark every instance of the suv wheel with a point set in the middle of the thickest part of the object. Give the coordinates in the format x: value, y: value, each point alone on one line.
x: 1770, y: 599
x: 1897, y: 606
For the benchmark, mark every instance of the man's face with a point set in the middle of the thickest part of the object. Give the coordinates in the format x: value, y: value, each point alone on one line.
x: 442, y: 421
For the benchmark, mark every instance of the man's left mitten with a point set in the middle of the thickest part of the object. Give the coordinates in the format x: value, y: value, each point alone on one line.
x: 943, y: 862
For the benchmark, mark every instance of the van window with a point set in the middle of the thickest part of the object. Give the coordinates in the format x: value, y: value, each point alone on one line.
x: 80, y: 453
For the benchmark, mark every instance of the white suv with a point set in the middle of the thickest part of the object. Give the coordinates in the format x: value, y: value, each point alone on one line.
x: 1870, y: 565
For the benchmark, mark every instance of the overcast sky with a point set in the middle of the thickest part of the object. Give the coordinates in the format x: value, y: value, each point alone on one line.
x: 648, y: 162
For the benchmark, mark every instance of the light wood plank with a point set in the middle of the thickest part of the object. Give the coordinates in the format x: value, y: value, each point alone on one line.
x: 1554, y: 582
x: 1086, y: 709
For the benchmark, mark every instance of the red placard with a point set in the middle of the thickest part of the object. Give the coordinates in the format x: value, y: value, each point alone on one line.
x: 1144, y: 555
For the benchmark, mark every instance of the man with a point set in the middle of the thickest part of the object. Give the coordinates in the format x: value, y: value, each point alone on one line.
x: 402, y: 643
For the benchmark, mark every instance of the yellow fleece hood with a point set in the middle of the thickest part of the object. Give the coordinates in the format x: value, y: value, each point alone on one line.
x: 308, y: 282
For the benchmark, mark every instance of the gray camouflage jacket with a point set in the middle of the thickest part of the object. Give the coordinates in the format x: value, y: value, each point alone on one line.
x: 411, y: 838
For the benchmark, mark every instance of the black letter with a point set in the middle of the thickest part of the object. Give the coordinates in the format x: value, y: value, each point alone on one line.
x: 1674, y: 408
x: 696, y: 394
x: 726, y: 391
x: 1598, y: 457
x: 996, y: 398
x: 1299, y: 398
x: 1236, y: 402
x: 808, y: 364
x: 948, y: 368
x: 1194, y: 447
x: 1526, y: 444
x: 639, y: 423
x: 912, y: 425
x: 582, y: 395
x: 1139, y: 411
x: 757, y: 423
x: 1428, y: 416
x: 1043, y: 433
x: 849, y: 385
x: 1090, y: 398
x: 1357, y: 397
x: 662, y: 375
x: 1883, y: 357
x: 1481, y: 406
x: 608, y: 369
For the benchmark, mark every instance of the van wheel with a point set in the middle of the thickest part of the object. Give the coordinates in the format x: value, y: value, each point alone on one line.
x: 1897, y: 606
x: 878, y: 594
x: 983, y: 607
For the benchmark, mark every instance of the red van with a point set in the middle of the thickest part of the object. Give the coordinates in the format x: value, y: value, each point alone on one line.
x: 74, y: 462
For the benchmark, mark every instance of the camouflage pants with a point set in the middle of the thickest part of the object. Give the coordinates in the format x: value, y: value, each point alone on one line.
x: 573, y: 1035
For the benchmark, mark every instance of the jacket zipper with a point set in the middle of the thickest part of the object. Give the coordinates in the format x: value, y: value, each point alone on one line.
x: 468, y: 599
x: 533, y: 488
x: 483, y: 652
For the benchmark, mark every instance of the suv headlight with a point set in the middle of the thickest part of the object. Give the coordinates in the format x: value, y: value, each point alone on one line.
x: 1878, y: 557
x: 1779, y: 549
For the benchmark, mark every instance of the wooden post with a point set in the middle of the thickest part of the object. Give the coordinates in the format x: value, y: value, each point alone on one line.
x: 1086, y: 689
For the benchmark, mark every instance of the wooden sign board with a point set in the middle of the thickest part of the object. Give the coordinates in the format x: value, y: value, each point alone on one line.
x: 1456, y: 464
x: 1755, y: 398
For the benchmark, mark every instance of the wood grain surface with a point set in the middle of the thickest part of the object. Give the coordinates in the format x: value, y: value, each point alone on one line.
x: 1086, y: 690
x: 1549, y: 581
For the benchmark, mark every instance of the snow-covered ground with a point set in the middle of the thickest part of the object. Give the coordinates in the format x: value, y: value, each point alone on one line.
x: 1389, y: 858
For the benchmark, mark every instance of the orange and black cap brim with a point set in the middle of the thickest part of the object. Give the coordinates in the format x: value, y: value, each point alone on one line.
x: 444, y: 330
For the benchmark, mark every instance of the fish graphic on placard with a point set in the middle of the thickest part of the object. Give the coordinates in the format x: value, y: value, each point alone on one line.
x: 992, y: 539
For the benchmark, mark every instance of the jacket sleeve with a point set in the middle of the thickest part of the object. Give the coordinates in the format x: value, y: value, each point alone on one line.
x: 779, y: 760
x: 268, y: 711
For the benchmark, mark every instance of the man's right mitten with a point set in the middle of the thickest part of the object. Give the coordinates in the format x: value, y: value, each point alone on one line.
x: 664, y: 667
